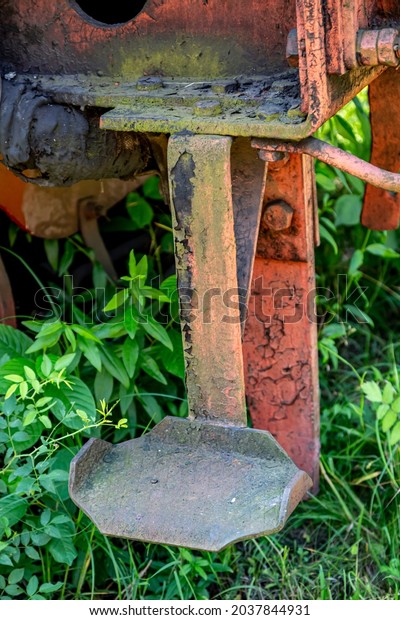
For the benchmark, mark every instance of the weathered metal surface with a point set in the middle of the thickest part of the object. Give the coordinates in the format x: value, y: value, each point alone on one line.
x: 381, y: 209
x: 378, y: 47
x: 52, y: 212
x: 188, y: 483
x: 334, y: 156
x: 201, y: 201
x: 58, y: 144
x: 198, y: 39
x: 280, y: 343
x: 248, y: 176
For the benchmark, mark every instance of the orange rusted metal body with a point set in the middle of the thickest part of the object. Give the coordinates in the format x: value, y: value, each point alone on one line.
x: 268, y: 71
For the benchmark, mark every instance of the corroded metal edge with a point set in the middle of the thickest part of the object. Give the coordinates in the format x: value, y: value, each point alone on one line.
x: 90, y: 455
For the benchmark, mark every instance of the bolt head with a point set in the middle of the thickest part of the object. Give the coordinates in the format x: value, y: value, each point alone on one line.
x: 278, y: 216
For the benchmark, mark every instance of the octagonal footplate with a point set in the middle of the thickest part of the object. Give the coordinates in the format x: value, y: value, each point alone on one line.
x: 188, y: 483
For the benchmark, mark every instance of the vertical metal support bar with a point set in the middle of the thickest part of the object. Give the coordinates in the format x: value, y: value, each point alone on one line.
x: 381, y: 210
x: 201, y: 196
x: 280, y: 343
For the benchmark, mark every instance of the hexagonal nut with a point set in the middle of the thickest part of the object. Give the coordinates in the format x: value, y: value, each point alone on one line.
x: 278, y: 216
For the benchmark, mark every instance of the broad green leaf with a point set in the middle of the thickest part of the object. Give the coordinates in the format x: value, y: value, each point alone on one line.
x: 388, y: 393
x: 348, y: 210
x: 356, y: 261
x: 103, y: 385
x: 396, y: 405
x: 114, y: 365
x: 29, y: 417
x: 51, y: 247
x: 326, y: 235
x: 117, y: 300
x: 32, y: 553
x: 383, y: 251
x: 395, y: 434
x: 151, y: 189
x: 16, y: 576
x: 32, y: 586
x: 64, y: 361
x: 139, y: 210
x: 389, y: 420
x: 13, y: 342
x: 174, y: 363
x: 150, y: 366
x: 13, y: 508
x: 130, y: 353
x: 382, y: 411
x: 130, y: 322
x: 91, y: 352
x: 157, y: 331
x: 63, y: 549
x: 48, y: 588
x: 372, y: 391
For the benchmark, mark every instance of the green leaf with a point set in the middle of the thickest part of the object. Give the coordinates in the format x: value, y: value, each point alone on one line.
x: 46, y: 366
x: 51, y: 247
x: 132, y: 264
x: 151, y: 188
x: 326, y: 235
x: 114, y: 365
x: 378, y: 249
x: 91, y: 352
x: 395, y: 434
x: 14, y: 378
x: 372, y: 391
x: 356, y: 261
x: 325, y: 182
x: 130, y: 353
x: 130, y: 322
x: 157, y: 331
x: 48, y: 588
x: 23, y: 389
x: 32, y: 553
x: 388, y: 393
x: 174, y: 363
x: 348, y: 210
x: 389, y: 420
x: 85, y: 333
x: 13, y: 342
x: 14, y: 590
x: 152, y: 408
x: 45, y: 516
x: 10, y: 391
x: 16, y: 576
x: 63, y: 549
x: 81, y: 397
x: 396, y: 405
x: 150, y: 366
x: 142, y: 267
x: 64, y: 361
x: 117, y: 300
x: 139, y: 210
x: 103, y: 385
x: 32, y: 586
x: 29, y: 417
x: 382, y: 411
x: 13, y: 509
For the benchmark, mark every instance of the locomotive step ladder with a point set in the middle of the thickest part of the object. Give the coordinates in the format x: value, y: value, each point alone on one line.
x: 206, y: 481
